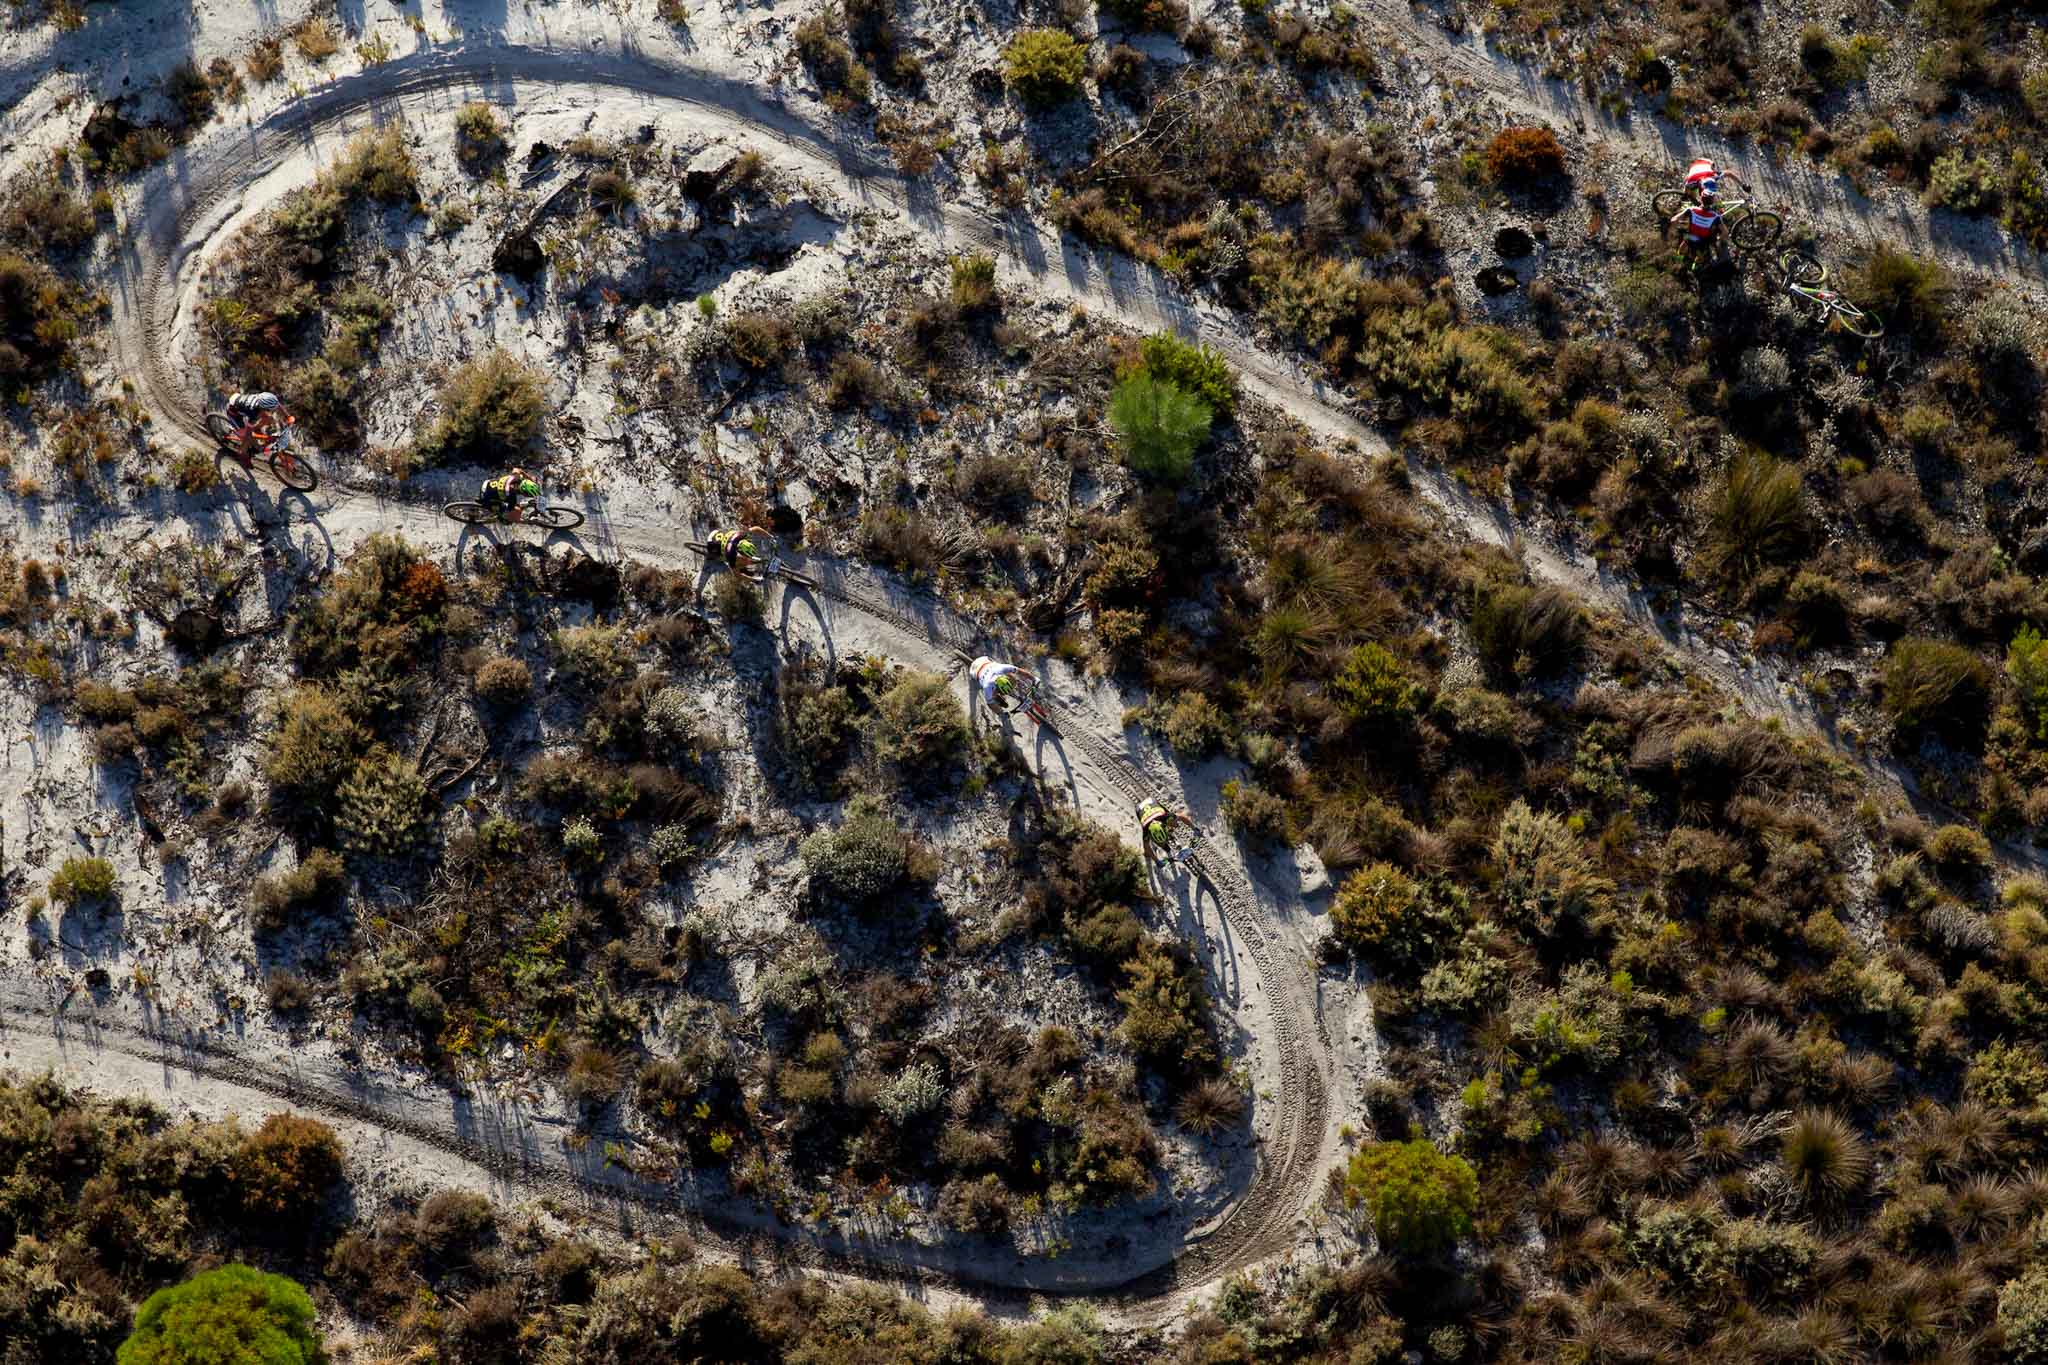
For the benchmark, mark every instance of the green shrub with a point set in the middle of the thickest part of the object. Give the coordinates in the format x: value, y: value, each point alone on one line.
x: 1254, y: 812
x: 974, y: 281
x: 594, y: 656
x: 866, y: 855
x: 1374, y: 688
x: 1934, y: 685
x: 230, y: 1316
x: 1191, y: 367
x: 1756, y: 519
x: 313, y: 751
x: 831, y: 63
x: 382, y: 806
x: 738, y: 599
x: 81, y: 881
x: 376, y: 164
x: 1965, y: 184
x: 313, y: 884
x: 1044, y: 66
x: 2008, y: 1076
x: 1519, y: 156
x: 491, y: 409
x: 2022, y: 1315
x: 39, y: 319
x: 1547, y: 874
x: 1163, y: 1007
x: 918, y: 726
x: 1193, y: 726
x: 1522, y: 631
x: 478, y: 135
x: 1420, y: 1200
x: 2026, y: 201
x: 503, y: 681
x: 1160, y: 424
x: 1375, y: 907
x: 1909, y: 294
x: 288, y: 1167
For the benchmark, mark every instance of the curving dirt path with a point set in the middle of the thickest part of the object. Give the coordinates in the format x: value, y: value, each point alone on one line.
x: 185, y: 212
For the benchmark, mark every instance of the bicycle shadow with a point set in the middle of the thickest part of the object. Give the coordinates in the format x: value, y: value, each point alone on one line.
x: 797, y: 592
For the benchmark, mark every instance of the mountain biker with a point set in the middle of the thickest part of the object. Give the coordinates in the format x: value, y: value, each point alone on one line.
x: 261, y: 415
x: 1702, y: 224
x: 510, y: 491
x: 1701, y: 178
x: 741, y: 550
x: 1158, y: 826
x: 1005, y: 687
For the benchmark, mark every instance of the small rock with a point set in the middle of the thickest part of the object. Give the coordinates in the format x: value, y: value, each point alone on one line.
x: 538, y: 155
x: 1513, y: 243
x: 987, y: 83
x: 1496, y: 279
x: 706, y: 169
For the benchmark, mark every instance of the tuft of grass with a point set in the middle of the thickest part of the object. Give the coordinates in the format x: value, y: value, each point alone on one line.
x: 1824, y: 1156
x: 1935, y: 685
x: 1523, y: 156
x: 1523, y: 631
x: 316, y: 40
x: 82, y: 881
x: 479, y: 136
x: 1756, y: 519
x: 1044, y: 66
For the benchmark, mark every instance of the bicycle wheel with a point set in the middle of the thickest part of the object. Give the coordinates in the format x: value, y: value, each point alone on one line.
x: 221, y: 429
x: 1801, y: 268
x: 555, y: 518
x: 475, y: 513
x: 1758, y: 230
x: 1666, y: 204
x: 1858, y: 323
x: 294, y: 471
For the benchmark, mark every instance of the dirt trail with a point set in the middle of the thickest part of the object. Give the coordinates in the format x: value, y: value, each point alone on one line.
x: 1805, y: 193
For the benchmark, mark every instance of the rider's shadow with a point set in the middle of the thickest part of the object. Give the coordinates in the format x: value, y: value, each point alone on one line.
x: 796, y: 592
x: 1199, y: 923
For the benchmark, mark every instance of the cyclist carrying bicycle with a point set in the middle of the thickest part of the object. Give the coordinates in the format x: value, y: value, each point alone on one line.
x: 1702, y: 224
x: 1160, y: 828
x: 258, y: 417
x: 510, y: 493
x: 1005, y: 687
x: 741, y: 551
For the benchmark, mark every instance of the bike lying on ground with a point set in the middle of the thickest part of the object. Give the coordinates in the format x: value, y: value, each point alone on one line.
x: 1804, y: 275
x: 1751, y: 228
x: 243, y: 443
x: 534, y: 511
x: 775, y: 566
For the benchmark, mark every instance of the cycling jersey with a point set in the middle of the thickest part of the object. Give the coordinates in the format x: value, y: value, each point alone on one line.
x: 246, y: 405
x: 986, y: 672
x: 1157, y: 822
x: 502, y: 487
x: 1701, y: 222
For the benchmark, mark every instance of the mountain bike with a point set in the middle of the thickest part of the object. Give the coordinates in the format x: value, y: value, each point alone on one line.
x: 1750, y: 227
x: 776, y: 567
x: 287, y: 466
x: 1804, y: 275
x: 535, y: 511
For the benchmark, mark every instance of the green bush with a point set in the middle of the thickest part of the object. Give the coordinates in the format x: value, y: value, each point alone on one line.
x: 376, y: 164
x: 1160, y: 424
x: 1934, y: 685
x: 1163, y: 1007
x: 2022, y: 1316
x: 1547, y: 874
x: 491, y: 409
x: 1757, y: 518
x: 1375, y: 906
x: 2026, y: 201
x: 1520, y: 156
x: 1420, y: 1200
x: 738, y: 600
x: 1191, y: 367
x: 314, y: 883
x: 1964, y: 184
x: 1044, y: 66
x: 382, y: 805
x: 82, y: 881
x: 230, y: 1316
x: 503, y: 681
x: 974, y: 281
x: 594, y: 656
x: 478, y: 134
x: 1254, y: 812
x: 1374, y: 688
x: 313, y: 751
x: 865, y: 856
x: 39, y: 319
x: 1909, y: 294
x: 1193, y: 726
x: 919, y: 727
